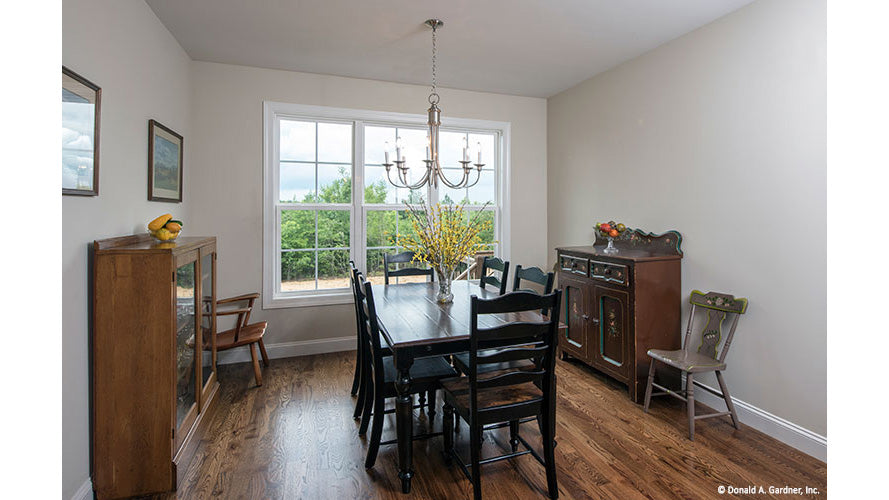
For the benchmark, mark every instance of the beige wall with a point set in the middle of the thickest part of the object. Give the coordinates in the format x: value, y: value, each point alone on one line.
x: 123, y: 48
x: 719, y: 134
x: 225, y: 188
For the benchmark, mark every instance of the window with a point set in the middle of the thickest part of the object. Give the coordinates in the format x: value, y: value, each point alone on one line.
x: 315, y: 221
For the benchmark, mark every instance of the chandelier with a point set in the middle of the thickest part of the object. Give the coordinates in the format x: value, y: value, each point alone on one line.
x: 433, y: 173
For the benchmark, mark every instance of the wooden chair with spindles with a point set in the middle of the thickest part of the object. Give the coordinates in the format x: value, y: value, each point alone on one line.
x: 243, y: 333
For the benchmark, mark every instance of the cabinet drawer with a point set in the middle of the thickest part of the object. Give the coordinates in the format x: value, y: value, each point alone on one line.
x: 576, y: 265
x: 608, y: 272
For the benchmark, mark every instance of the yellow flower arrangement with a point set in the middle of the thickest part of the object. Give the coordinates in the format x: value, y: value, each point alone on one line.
x: 443, y: 238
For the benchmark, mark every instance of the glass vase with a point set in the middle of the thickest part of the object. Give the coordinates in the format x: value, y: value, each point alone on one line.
x: 444, y: 296
x: 610, y: 249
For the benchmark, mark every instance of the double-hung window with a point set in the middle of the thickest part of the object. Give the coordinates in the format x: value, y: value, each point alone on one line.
x: 316, y: 220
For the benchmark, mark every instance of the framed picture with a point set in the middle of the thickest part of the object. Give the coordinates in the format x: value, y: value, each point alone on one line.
x: 81, y: 105
x: 164, y: 163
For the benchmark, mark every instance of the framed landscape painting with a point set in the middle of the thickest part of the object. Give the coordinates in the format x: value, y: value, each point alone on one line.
x: 164, y: 163
x: 81, y: 102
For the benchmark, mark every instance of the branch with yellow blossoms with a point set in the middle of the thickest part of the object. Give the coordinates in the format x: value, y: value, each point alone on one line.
x: 442, y: 238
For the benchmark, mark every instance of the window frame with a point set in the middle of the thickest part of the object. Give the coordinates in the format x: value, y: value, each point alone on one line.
x: 273, y: 112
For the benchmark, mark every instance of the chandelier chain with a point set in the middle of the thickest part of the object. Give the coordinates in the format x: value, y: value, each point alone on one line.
x: 434, y: 53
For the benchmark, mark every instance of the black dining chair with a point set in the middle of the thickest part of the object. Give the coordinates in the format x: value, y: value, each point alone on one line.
x: 495, y: 264
x: 359, y: 380
x: 534, y: 275
x: 506, y: 396
x: 404, y: 258
x: 426, y: 374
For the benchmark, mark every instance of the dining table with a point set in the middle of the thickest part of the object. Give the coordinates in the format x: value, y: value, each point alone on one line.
x: 416, y: 325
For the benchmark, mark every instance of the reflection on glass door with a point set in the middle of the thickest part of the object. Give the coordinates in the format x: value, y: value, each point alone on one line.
x: 185, y: 341
x: 208, y: 326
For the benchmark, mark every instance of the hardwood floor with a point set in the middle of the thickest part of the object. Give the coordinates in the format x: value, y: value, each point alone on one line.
x: 294, y: 437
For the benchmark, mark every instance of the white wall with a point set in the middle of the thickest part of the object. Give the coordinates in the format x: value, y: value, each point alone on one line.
x: 122, y: 47
x: 719, y: 134
x: 226, y: 184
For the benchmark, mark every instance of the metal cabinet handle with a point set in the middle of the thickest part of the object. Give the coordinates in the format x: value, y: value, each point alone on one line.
x: 585, y: 317
x: 595, y: 321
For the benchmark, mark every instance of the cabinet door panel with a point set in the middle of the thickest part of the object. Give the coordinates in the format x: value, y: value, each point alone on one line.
x: 611, y: 352
x: 576, y: 316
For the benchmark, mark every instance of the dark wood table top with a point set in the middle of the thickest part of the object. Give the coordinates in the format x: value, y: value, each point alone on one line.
x: 410, y: 316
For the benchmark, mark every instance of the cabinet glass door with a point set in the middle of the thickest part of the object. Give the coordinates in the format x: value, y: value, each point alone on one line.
x: 185, y: 344
x: 208, y: 320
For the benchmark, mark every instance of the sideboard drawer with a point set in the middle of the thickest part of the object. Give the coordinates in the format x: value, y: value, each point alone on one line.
x: 576, y: 265
x: 611, y: 273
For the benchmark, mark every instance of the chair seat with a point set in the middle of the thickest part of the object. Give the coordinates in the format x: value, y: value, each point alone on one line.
x: 249, y: 334
x: 456, y: 393
x: 687, y: 361
x: 461, y: 362
x: 422, y: 369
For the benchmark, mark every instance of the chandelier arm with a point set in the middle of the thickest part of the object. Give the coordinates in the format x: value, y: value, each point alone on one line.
x: 402, y: 177
x: 389, y: 177
x: 451, y: 185
x: 477, y: 178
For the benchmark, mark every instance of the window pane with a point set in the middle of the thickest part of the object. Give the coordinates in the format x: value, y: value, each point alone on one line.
x: 414, y: 152
x: 487, y: 236
x: 448, y: 196
x: 483, y: 191
x: 487, y: 145
x: 450, y: 149
x: 297, y: 229
x: 297, y: 271
x: 380, y: 228
x: 297, y: 140
x: 335, y: 142
x: 333, y: 269
x: 297, y: 182
x: 333, y: 229
x: 375, y: 139
x: 377, y: 189
x: 334, y: 184
x: 406, y: 224
x: 375, y: 264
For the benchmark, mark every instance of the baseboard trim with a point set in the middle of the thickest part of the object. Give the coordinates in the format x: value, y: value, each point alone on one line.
x: 783, y: 430
x: 85, y: 492
x: 291, y: 349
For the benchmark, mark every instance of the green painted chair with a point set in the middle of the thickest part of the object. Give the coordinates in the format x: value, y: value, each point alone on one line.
x: 494, y: 264
x: 706, y: 358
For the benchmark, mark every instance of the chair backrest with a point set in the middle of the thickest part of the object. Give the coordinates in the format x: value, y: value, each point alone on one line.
x: 517, y: 340
x: 402, y: 258
x: 370, y: 328
x: 353, y: 282
x: 718, y: 306
x: 534, y: 275
x: 495, y: 264
x: 243, y: 311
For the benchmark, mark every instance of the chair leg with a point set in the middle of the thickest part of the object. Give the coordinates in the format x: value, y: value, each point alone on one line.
x: 257, y: 372
x: 368, y: 409
x: 549, y: 456
x: 513, y: 435
x: 356, y: 379
x: 475, y: 451
x: 648, y: 387
x: 265, y: 355
x: 376, y: 432
x: 690, y: 396
x: 431, y: 405
x: 363, y: 383
x: 447, y: 431
x: 422, y: 399
x: 728, y: 399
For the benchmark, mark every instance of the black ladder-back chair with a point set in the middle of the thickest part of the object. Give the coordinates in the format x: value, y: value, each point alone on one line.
x: 359, y: 381
x: 534, y: 275
x: 498, y: 265
x: 426, y: 374
x: 403, y: 258
x: 509, y: 395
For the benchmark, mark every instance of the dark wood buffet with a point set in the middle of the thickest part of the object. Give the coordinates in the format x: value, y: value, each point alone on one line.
x: 618, y: 306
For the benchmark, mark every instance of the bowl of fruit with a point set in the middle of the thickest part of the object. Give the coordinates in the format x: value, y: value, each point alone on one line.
x: 165, y: 228
x: 610, y: 230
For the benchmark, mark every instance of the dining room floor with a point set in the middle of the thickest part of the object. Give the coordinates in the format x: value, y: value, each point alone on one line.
x: 295, y: 438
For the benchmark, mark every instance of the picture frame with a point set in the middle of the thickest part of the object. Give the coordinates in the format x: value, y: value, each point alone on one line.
x: 164, y: 163
x: 81, y: 116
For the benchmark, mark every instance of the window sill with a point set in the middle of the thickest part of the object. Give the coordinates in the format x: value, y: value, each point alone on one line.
x: 283, y: 301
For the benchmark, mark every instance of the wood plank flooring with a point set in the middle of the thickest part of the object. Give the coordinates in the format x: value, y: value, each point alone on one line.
x: 294, y: 437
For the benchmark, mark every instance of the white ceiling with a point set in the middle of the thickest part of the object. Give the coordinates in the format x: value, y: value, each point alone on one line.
x: 522, y: 47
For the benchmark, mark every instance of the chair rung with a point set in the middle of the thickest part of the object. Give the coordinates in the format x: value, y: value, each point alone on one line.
x: 503, y: 457
x: 667, y: 392
x: 504, y: 424
x: 717, y: 414
x: 416, y: 438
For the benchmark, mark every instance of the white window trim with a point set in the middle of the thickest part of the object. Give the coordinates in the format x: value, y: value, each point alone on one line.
x: 271, y: 298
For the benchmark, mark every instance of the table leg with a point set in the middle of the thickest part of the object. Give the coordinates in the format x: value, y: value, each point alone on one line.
x: 404, y: 422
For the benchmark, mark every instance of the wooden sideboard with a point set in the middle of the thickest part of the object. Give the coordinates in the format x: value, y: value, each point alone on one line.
x: 618, y: 306
x: 153, y: 381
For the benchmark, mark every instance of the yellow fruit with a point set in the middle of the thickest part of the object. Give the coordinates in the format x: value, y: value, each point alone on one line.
x: 163, y: 234
x: 174, y: 227
x: 159, y: 222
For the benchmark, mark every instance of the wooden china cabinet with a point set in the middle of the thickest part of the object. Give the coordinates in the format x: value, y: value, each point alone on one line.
x: 618, y: 306
x: 153, y: 379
